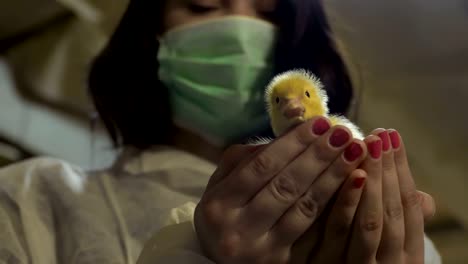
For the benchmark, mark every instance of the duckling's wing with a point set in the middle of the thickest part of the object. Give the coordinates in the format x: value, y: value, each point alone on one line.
x: 259, y: 141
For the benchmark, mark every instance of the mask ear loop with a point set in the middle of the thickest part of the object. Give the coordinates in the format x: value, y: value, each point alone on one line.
x: 121, y: 155
x: 93, y: 119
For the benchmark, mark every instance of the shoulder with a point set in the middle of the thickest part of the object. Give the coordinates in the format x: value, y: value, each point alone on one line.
x: 28, y: 173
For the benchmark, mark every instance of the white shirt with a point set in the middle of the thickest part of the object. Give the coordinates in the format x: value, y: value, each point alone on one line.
x: 54, y: 212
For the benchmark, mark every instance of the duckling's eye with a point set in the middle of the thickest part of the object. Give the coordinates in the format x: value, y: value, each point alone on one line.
x: 307, y: 94
x: 277, y: 100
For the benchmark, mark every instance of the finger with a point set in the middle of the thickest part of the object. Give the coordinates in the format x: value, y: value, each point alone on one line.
x: 368, y: 221
x: 308, y: 243
x: 230, y: 159
x: 413, y: 217
x: 244, y: 182
x: 428, y: 206
x: 340, y: 221
x: 292, y: 182
x: 310, y: 206
x: 392, y: 239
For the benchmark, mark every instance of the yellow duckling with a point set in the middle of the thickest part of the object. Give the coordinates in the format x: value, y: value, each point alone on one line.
x: 296, y: 96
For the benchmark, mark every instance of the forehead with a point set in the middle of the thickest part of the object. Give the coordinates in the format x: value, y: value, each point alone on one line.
x: 285, y: 86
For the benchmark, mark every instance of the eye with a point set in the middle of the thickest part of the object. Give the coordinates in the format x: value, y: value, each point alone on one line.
x: 277, y: 100
x: 200, y: 9
x: 307, y: 94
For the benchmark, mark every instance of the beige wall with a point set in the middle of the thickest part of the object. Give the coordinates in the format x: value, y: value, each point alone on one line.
x: 410, y: 64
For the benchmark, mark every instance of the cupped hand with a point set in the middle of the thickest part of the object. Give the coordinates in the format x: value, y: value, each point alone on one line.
x: 262, y: 199
x: 384, y: 221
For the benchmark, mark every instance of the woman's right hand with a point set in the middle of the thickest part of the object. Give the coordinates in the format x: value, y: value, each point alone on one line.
x: 262, y: 199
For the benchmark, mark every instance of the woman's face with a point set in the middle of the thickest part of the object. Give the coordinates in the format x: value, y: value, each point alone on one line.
x: 182, y: 12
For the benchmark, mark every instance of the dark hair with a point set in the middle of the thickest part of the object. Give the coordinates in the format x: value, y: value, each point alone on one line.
x: 132, y: 101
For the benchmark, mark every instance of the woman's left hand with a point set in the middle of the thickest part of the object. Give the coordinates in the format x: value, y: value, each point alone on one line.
x: 386, y: 223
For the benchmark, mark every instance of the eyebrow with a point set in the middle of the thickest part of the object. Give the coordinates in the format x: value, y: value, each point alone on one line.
x: 203, y: 1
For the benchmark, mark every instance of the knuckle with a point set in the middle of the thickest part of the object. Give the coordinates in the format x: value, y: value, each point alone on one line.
x: 284, y: 188
x: 230, y: 245
x: 308, y: 205
x: 371, y: 223
x: 300, y: 138
x: 388, y: 167
x: 322, y: 154
x: 212, y: 212
x: 411, y: 199
x: 261, y: 165
x: 338, y: 173
x: 394, y: 211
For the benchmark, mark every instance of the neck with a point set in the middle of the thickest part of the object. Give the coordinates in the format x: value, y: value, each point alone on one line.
x: 192, y: 143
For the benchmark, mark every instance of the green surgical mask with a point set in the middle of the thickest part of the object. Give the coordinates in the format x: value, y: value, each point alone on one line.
x: 216, y: 72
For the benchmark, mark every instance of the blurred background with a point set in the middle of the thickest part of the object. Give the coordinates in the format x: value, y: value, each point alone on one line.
x: 408, y: 61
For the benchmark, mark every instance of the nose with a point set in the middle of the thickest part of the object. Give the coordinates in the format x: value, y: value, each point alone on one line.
x: 293, y: 108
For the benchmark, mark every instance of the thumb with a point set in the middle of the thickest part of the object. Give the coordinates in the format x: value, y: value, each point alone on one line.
x: 428, y: 206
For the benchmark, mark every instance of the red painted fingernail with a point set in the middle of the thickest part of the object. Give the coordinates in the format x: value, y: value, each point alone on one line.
x: 353, y: 152
x: 358, y: 183
x: 339, y: 137
x: 395, y: 138
x: 385, y: 140
x: 320, y: 127
x: 375, y: 148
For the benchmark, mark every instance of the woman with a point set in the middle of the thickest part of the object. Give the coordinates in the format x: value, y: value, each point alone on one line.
x: 180, y: 81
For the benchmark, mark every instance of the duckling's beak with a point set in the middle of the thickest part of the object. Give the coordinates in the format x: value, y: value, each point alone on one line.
x: 292, y: 108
